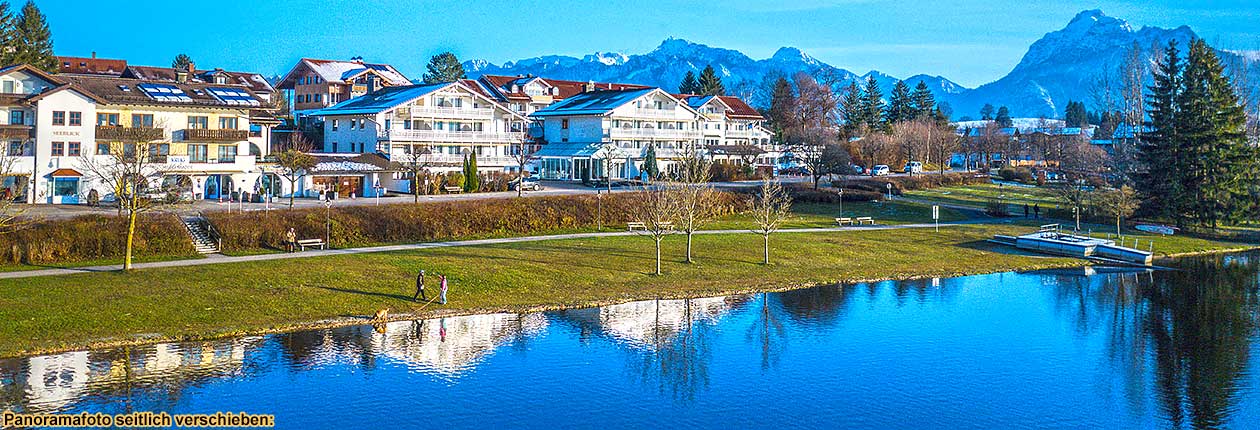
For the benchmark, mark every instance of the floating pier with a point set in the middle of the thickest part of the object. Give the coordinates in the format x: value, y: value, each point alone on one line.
x: 1050, y: 240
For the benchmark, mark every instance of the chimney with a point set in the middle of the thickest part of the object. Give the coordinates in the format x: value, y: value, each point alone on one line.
x: 93, y: 54
x: 192, y: 68
x: 590, y: 86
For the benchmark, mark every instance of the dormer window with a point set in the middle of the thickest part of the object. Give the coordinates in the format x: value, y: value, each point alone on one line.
x: 220, y: 79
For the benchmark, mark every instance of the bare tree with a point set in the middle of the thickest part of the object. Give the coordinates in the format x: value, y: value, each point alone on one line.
x: 656, y: 210
x: 294, y: 162
x: 1081, y: 164
x: 11, y: 211
x: 133, y: 160
x: 1120, y: 203
x: 694, y: 194
x: 911, y: 138
x: 770, y: 207
x: 522, y: 154
x: 875, y: 148
x: 941, y: 141
x: 416, y: 161
x: 810, y: 148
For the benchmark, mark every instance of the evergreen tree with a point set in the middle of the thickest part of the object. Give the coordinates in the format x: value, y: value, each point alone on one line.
x: 873, y: 105
x: 1075, y: 114
x: 900, y: 106
x: 443, y: 68
x: 472, y: 182
x: 649, y: 163
x: 986, y: 112
x: 34, y: 41
x: 8, y: 34
x: 924, y: 101
x: 851, y: 109
x: 782, y: 106
x: 1003, y: 118
x: 689, y: 84
x: 1210, y: 128
x: 181, y: 62
x: 1158, y: 151
x: 711, y: 83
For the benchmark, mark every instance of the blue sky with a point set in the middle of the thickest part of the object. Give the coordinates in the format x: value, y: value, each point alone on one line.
x: 968, y: 41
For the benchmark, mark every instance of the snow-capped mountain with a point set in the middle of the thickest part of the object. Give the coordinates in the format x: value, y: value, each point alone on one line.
x: 1062, y: 66
x: 666, y: 65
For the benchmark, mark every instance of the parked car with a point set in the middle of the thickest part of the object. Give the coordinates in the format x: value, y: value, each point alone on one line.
x: 858, y: 170
x: 879, y: 170
x: 526, y: 184
x: 914, y: 167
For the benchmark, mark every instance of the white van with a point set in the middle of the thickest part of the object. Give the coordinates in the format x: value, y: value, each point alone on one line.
x: 914, y: 167
x: 879, y: 170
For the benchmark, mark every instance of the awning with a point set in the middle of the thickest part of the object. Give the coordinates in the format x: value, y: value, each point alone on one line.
x: 66, y: 173
x: 568, y: 150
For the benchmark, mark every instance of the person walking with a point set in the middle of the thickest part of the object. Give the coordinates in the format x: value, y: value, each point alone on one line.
x: 442, y: 297
x: 1037, y: 211
x: 419, y: 287
x: 1025, y: 210
x: 290, y: 240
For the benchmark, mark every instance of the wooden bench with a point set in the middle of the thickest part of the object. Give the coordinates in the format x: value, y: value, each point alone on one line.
x: 452, y: 190
x: 844, y: 220
x: 633, y: 225
x: 864, y: 219
x: 312, y: 243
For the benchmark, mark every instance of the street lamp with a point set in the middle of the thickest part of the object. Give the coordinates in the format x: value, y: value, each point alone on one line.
x: 327, y: 222
x: 840, y: 193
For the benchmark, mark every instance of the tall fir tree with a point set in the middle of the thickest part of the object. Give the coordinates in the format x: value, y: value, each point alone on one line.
x: 649, y: 163
x: 443, y: 68
x: 689, y: 84
x: 181, y: 62
x: 1075, y: 115
x: 900, y: 106
x: 986, y: 112
x: 782, y: 107
x: 1003, y: 118
x: 851, y: 109
x: 1210, y: 129
x: 711, y: 83
x: 1158, y: 153
x: 34, y: 40
x: 873, y: 105
x: 8, y: 34
x: 924, y: 101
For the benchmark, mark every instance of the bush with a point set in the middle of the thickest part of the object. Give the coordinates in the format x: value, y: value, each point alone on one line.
x: 1007, y: 173
x: 94, y: 237
x: 997, y: 208
x: 453, y: 179
x: 724, y: 172
x: 432, y: 221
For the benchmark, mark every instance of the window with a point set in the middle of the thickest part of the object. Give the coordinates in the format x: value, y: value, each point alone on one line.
x: 199, y: 122
x: 564, y: 124
x: 58, y: 149
x: 21, y: 149
x: 65, y: 187
x: 17, y: 117
x: 73, y: 149
x: 319, y: 98
x: 198, y: 153
x: 227, y: 154
x: 59, y: 117
x: 227, y: 123
x: 142, y: 120
x: 158, y: 152
x: 102, y: 148
x: 334, y: 125
x: 9, y: 87
x: 76, y: 118
x: 107, y: 119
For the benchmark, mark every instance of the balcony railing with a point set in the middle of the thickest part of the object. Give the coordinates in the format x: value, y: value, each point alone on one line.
x: 7, y: 99
x: 446, y: 112
x: 215, y: 135
x: 660, y: 133
x: 749, y: 133
x: 653, y: 113
x: 448, y: 136
x: 458, y: 159
x: 17, y: 132
x: 112, y: 132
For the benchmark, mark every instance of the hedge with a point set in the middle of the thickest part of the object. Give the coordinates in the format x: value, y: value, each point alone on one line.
x: 94, y: 237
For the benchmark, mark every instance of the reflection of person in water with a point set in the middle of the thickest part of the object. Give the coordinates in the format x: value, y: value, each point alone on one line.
x: 442, y: 329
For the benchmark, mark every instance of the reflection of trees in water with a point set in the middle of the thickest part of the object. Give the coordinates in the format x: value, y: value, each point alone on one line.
x: 767, y: 330
x: 679, y: 361
x: 313, y: 347
x: 1195, y: 323
x: 820, y: 306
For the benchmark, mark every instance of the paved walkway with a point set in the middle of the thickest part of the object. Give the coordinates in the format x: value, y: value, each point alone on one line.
x: 222, y: 259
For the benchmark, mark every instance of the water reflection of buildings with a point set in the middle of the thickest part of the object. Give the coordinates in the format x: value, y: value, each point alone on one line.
x: 446, y: 347
x: 649, y: 324
x: 54, y: 382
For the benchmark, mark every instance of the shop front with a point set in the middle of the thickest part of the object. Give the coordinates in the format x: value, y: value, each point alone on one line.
x: 65, y: 185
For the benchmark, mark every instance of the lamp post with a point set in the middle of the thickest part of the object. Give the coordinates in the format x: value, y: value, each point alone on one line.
x: 327, y: 222
x: 840, y: 194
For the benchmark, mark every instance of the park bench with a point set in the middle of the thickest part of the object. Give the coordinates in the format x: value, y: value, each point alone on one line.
x: 864, y: 220
x: 312, y: 243
x: 633, y: 225
x: 453, y: 190
x: 844, y: 220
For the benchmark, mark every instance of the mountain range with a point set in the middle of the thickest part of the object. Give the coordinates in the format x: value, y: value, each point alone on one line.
x: 1059, y: 67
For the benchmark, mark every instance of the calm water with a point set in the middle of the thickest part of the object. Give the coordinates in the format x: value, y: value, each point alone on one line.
x: 1114, y: 349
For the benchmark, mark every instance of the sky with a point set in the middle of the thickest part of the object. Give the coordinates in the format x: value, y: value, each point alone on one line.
x: 968, y: 41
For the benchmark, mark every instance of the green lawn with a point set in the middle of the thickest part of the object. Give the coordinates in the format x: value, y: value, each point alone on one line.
x: 73, y: 311
x: 977, y: 195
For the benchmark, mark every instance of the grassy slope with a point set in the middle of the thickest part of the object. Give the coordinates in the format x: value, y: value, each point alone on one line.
x: 979, y: 194
x: 78, y: 310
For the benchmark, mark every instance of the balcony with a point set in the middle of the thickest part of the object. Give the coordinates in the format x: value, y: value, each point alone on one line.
x: 654, y: 133
x: 132, y: 134
x: 748, y: 133
x: 17, y: 132
x: 8, y: 99
x: 653, y: 113
x: 442, y: 159
x: 448, y: 136
x: 445, y: 112
x: 219, y: 135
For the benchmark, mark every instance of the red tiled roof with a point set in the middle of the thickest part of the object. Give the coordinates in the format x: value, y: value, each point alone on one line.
x: 740, y: 109
x: 64, y: 173
x: 91, y: 66
x: 567, y: 89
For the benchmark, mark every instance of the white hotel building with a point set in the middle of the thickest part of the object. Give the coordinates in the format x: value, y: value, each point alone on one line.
x: 444, y: 123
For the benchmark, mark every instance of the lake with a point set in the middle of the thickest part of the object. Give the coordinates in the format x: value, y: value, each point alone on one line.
x: 1080, y: 348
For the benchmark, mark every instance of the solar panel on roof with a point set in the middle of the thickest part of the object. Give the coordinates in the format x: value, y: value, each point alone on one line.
x: 233, y: 96
x: 164, y: 93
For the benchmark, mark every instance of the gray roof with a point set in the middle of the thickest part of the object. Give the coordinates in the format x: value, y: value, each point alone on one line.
x: 379, y: 100
x: 592, y: 103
